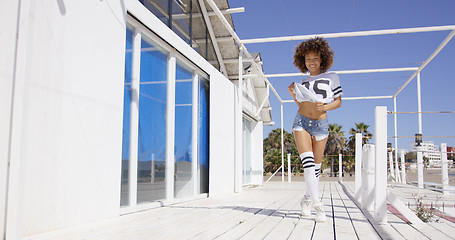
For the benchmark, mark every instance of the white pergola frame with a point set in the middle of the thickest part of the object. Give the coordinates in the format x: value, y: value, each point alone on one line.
x: 371, y: 33
x: 416, y: 70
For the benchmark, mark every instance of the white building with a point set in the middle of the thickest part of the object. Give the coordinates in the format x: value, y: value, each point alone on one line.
x: 111, y: 107
x: 431, y: 152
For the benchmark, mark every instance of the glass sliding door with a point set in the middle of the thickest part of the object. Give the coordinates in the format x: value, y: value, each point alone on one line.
x: 246, y: 164
x: 156, y: 167
x: 203, y: 136
x: 152, y: 123
x: 183, y: 184
x: 126, y: 118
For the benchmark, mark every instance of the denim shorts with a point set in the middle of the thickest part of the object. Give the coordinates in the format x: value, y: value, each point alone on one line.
x: 319, y: 129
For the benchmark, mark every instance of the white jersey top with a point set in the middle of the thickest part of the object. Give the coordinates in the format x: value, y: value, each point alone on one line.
x: 318, y: 88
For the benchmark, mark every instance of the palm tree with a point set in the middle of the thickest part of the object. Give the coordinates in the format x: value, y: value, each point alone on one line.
x: 272, y: 148
x: 359, y: 128
x: 336, y: 140
x: 335, y: 144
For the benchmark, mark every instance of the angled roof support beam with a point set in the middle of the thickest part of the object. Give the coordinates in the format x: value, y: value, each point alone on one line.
x: 218, y: 39
x: 350, y: 34
x: 212, y: 37
x: 236, y: 60
x: 424, y: 64
x: 241, y: 46
x: 211, y: 13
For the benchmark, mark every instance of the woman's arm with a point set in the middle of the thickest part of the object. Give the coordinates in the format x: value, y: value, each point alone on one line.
x: 331, y: 106
x: 291, y: 91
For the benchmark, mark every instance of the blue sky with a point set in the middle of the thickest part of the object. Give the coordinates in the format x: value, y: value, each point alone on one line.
x: 296, y: 17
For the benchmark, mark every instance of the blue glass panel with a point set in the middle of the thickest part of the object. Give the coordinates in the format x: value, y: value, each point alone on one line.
x: 152, y: 124
x: 183, y: 132
x: 203, y: 136
x: 126, y: 118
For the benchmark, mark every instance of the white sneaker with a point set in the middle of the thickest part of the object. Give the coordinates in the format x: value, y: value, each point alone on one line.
x: 305, y: 204
x: 320, y: 214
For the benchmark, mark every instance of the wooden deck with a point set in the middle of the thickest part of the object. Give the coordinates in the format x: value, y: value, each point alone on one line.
x: 270, y: 211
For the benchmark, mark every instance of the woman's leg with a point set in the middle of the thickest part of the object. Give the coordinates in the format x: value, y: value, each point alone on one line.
x: 318, y: 150
x: 304, y: 144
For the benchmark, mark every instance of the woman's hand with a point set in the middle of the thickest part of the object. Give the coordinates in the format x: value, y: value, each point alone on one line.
x: 320, y: 107
x: 291, y: 90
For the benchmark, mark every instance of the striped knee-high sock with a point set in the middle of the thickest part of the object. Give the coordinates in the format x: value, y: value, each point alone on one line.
x: 317, y: 173
x: 317, y: 170
x: 310, y: 175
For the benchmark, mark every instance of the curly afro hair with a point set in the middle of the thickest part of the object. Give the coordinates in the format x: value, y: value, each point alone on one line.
x: 316, y: 45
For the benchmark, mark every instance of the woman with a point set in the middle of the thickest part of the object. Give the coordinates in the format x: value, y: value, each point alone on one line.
x: 315, y: 95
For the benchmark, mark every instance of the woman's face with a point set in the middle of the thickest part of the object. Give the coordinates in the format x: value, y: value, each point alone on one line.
x: 313, y: 63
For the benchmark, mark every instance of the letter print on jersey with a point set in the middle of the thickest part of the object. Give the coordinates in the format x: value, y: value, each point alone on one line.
x: 321, y: 88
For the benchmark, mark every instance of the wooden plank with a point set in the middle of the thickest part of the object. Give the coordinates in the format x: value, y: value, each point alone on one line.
x: 361, y: 225
x: 445, y: 228
x: 344, y: 228
x: 244, y: 224
x: 404, y: 229
x: 260, y: 231
x: 268, y: 212
x: 325, y: 230
x: 286, y: 225
x: 213, y: 225
x: 385, y: 231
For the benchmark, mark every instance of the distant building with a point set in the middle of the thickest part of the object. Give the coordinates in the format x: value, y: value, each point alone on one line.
x: 431, y: 152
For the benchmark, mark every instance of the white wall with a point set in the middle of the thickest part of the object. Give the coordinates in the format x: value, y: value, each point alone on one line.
x: 222, y: 135
x: 68, y: 137
x: 257, y: 162
x: 257, y: 154
x: 8, y: 26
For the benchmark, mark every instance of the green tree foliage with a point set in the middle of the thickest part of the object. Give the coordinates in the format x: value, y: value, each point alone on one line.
x: 359, y: 128
x: 336, y: 142
x: 272, y: 149
x: 410, y: 157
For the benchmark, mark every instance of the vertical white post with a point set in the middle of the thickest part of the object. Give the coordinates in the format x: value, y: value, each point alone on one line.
x: 368, y: 177
x: 194, y: 145
x: 444, y: 169
x: 397, y: 169
x: 419, y: 153
x: 134, y: 118
x: 358, y: 165
x: 170, y: 126
x: 152, y: 169
x: 380, y: 191
x: 391, y: 168
x: 403, y: 168
x: 419, y: 168
x: 239, y: 130
x: 289, y: 167
x: 419, y: 103
x: 395, y: 120
x: 340, y: 167
x: 282, y: 145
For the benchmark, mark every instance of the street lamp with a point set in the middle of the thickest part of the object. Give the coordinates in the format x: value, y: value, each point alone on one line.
x: 418, y: 139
